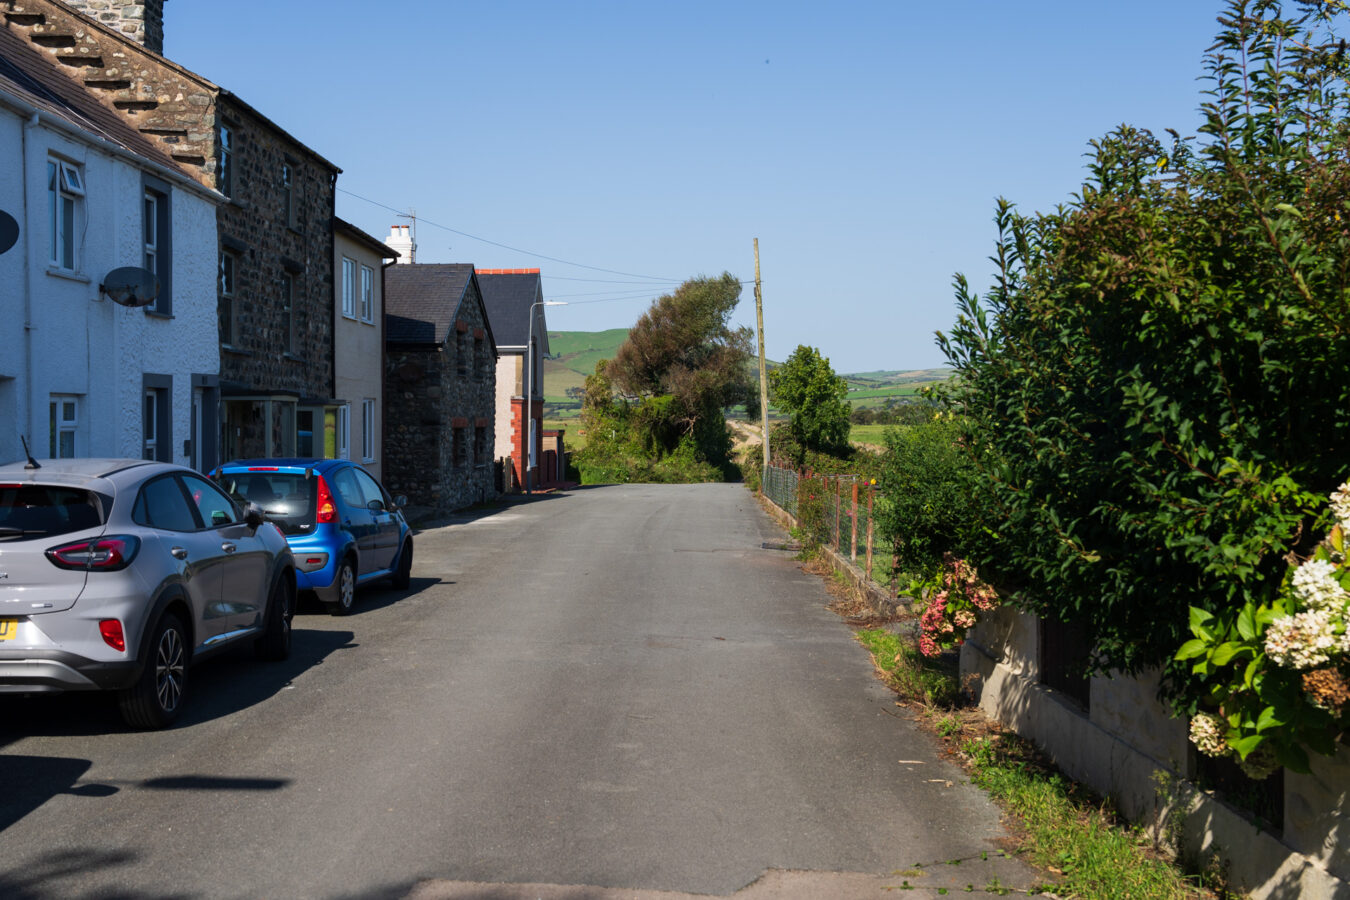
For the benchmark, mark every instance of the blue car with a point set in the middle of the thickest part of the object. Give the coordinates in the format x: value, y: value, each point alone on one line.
x: 342, y: 526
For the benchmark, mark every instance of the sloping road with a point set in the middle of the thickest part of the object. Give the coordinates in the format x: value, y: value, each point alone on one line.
x: 615, y: 689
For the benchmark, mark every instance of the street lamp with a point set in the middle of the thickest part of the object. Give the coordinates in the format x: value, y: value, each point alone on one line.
x: 527, y: 399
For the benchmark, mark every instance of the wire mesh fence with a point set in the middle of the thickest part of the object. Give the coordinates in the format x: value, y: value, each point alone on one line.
x: 836, y: 511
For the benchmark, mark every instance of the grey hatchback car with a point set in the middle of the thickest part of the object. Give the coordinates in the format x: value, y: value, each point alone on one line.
x: 116, y: 574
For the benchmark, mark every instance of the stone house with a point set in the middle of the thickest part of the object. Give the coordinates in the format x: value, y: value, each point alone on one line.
x: 275, y: 284
x: 440, y: 382
x: 358, y: 343
x: 515, y: 303
x: 87, y: 374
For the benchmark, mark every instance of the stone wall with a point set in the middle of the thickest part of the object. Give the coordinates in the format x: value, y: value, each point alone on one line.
x: 140, y: 20
x: 255, y: 229
x: 427, y: 403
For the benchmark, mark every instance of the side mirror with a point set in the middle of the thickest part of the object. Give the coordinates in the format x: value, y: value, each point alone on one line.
x: 400, y: 501
x: 254, y: 515
x: 375, y: 506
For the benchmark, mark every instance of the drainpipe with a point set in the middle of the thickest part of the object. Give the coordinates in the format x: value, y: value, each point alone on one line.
x: 25, y: 413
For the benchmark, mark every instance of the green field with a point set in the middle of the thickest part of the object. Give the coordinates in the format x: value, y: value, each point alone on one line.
x: 573, y: 355
x: 874, y: 435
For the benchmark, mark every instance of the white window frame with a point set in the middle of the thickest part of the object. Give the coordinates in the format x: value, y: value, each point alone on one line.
x: 64, y: 415
x: 149, y: 423
x: 348, y: 288
x: 65, y: 191
x: 367, y: 430
x: 367, y: 294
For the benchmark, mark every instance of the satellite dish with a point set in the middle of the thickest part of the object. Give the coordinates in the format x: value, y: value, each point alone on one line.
x: 9, y: 231
x: 131, y: 286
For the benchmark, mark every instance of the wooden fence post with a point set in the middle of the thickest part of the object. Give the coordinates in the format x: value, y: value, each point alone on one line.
x: 838, y: 509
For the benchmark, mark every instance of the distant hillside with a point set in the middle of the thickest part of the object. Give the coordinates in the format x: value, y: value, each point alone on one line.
x: 575, y: 353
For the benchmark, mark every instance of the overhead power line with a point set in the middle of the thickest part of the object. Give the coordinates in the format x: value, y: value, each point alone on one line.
x: 654, y: 279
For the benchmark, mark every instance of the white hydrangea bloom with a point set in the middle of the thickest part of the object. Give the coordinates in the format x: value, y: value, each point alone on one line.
x: 1315, y: 584
x: 1207, y: 735
x: 1340, y: 505
x: 1305, y: 640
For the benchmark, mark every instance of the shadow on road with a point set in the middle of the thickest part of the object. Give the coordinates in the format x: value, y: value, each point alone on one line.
x: 369, y: 598
x: 216, y: 688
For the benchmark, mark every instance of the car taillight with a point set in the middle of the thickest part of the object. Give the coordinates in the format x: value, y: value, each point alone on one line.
x: 263, y: 469
x: 327, y: 511
x: 111, y: 629
x: 105, y: 554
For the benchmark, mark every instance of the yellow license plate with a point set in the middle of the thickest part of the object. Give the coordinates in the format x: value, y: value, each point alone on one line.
x: 9, y: 629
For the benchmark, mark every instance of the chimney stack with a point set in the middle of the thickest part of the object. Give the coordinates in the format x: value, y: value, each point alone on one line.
x: 400, y: 239
x: 140, y: 20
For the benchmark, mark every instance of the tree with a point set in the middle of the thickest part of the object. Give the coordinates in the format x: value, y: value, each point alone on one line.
x: 815, y: 399
x: 1155, y: 385
x: 684, y: 348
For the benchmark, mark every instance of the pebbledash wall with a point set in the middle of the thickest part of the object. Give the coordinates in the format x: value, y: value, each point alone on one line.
x: 69, y: 340
x: 1127, y: 747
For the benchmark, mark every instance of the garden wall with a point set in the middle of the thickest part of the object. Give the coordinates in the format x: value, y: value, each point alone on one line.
x: 1125, y: 746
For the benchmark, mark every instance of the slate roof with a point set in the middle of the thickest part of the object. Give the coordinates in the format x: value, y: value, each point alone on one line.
x: 420, y: 301
x: 373, y: 244
x: 33, y: 78
x: 508, y: 295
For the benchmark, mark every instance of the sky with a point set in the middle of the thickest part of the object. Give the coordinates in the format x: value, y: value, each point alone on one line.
x: 622, y: 148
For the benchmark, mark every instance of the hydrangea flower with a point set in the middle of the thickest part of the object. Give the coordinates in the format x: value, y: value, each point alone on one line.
x: 1316, y: 586
x: 1340, y: 505
x: 1305, y: 640
x: 1207, y: 734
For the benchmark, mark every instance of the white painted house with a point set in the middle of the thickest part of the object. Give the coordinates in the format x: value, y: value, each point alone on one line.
x: 81, y: 375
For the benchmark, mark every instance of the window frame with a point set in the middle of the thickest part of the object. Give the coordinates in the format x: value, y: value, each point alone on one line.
x: 348, y: 288
x: 344, y: 429
x: 158, y: 192
x: 367, y: 294
x: 225, y: 171
x: 368, y: 430
x: 60, y: 425
x: 66, y: 192
x: 228, y: 286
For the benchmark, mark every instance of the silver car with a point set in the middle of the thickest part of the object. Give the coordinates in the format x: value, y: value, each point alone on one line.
x: 116, y: 574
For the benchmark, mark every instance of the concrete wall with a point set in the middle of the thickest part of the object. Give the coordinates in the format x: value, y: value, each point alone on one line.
x: 1128, y: 742
x: 69, y: 339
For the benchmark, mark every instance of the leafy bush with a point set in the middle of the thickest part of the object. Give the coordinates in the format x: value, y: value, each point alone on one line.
x: 1155, y: 386
x: 815, y: 399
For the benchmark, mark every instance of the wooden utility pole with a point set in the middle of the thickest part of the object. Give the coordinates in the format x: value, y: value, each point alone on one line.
x: 763, y: 375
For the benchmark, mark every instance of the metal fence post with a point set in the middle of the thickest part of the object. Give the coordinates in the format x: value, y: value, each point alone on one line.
x: 870, y: 491
x: 853, y: 543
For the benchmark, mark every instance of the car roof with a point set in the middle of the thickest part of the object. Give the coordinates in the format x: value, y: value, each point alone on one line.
x: 73, y: 471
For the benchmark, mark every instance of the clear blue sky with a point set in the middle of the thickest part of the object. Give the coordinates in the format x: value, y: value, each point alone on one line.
x: 863, y: 143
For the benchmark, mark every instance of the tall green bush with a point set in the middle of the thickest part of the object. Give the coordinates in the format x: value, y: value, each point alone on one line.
x: 1155, y: 386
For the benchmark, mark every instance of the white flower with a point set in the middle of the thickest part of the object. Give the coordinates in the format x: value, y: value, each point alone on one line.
x: 1340, y: 505
x: 1305, y: 640
x: 1316, y: 585
x: 1207, y: 735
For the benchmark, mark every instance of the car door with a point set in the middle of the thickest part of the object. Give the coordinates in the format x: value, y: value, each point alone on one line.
x: 357, y: 519
x: 385, y: 543
x: 247, y: 558
x: 164, y: 508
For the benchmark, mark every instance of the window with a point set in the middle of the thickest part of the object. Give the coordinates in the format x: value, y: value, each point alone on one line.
x: 227, y: 296
x: 461, y: 447
x: 65, y: 189
x: 225, y: 173
x: 287, y: 313
x: 368, y: 430
x: 64, y: 414
x: 162, y: 504
x: 155, y: 225
x: 156, y: 432
x: 367, y: 294
x: 348, y: 488
x: 462, y: 353
x: 479, y: 357
x: 370, y: 490
x: 213, y: 505
x: 480, y: 451
x: 349, y: 287
x: 288, y: 194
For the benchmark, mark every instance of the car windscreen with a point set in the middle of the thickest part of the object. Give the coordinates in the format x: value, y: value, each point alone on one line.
x: 287, y: 497
x: 38, y: 510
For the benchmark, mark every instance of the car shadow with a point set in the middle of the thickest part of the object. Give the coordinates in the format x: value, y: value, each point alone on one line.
x: 369, y: 598
x: 217, y: 687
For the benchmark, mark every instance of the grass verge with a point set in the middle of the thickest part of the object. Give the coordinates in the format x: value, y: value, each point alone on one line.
x: 1085, y: 850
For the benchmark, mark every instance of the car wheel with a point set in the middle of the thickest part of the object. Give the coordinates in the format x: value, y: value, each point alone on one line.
x: 403, y: 574
x: 156, y: 698
x: 346, y: 589
x: 275, y: 644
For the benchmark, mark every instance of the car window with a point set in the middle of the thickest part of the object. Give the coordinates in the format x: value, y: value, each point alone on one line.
x: 370, y: 488
x: 28, y: 511
x: 161, y: 503
x: 348, y: 488
x: 214, y: 506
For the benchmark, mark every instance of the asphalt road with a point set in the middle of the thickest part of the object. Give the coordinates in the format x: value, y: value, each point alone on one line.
x: 613, y: 688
